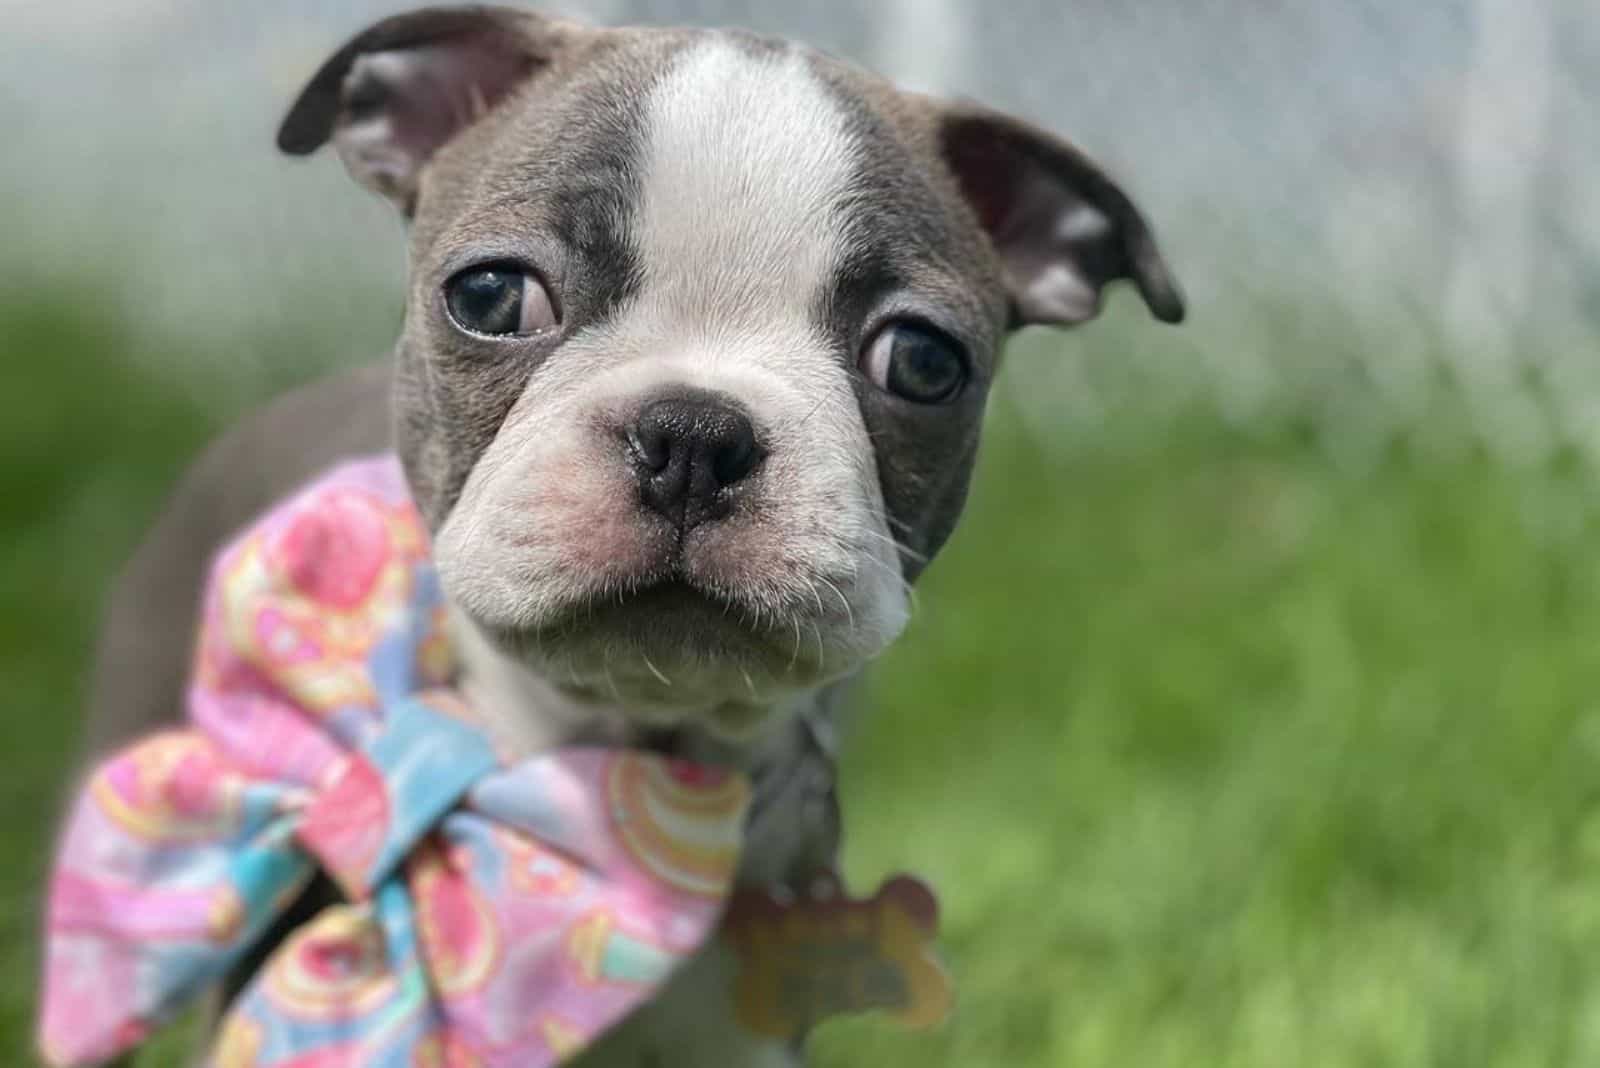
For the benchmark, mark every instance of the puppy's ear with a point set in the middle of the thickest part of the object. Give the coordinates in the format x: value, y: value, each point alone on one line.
x: 400, y: 89
x: 1062, y: 228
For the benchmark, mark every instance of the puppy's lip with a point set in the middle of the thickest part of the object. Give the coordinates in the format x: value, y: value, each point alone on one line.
x: 671, y: 622
x: 672, y: 595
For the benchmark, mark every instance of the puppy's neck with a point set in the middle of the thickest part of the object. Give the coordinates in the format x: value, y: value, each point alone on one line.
x: 527, y: 713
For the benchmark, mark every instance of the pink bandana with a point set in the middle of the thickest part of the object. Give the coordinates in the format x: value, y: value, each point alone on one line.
x: 496, y: 915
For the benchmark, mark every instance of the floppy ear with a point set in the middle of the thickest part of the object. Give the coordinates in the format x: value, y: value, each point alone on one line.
x: 400, y: 89
x: 1062, y: 228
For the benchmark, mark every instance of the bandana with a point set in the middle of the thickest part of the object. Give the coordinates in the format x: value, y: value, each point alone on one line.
x: 493, y: 913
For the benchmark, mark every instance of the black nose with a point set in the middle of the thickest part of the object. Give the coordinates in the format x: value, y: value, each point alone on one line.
x: 688, y: 448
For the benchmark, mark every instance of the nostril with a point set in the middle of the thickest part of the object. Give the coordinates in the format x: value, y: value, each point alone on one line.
x: 651, y: 447
x: 736, y: 458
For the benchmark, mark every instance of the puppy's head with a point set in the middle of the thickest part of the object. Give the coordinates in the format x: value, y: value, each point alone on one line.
x: 699, y: 334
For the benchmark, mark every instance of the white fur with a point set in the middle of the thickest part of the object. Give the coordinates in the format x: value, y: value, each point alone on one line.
x: 747, y: 158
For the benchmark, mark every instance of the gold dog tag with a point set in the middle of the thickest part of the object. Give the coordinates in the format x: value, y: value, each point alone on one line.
x: 825, y: 954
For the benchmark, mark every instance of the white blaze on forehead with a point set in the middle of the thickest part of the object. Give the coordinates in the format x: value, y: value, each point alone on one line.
x: 746, y: 156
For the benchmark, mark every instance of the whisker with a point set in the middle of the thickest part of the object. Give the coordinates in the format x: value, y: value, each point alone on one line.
x: 807, y: 417
x: 794, y: 657
x: 850, y: 613
x: 611, y: 682
x: 655, y: 670
x: 816, y: 596
x: 900, y: 546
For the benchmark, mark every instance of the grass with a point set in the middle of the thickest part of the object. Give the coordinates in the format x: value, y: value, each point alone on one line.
x: 1224, y: 758
x: 1220, y: 752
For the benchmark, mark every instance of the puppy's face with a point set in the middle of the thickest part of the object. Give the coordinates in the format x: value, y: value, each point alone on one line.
x: 699, y: 334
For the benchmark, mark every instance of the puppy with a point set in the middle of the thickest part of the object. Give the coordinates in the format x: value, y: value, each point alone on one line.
x: 698, y: 338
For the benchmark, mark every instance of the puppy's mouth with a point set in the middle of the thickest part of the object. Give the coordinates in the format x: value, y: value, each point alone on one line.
x: 671, y: 648
x: 644, y: 608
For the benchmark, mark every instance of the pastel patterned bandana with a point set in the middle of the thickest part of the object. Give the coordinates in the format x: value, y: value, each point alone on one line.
x: 495, y: 915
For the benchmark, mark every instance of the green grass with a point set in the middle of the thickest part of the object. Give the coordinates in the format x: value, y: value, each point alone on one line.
x: 1220, y: 753
x: 1224, y: 758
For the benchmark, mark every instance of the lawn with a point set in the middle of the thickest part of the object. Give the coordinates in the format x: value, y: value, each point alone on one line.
x: 1220, y: 752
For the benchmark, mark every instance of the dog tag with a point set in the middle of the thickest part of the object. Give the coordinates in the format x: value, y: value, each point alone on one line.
x: 804, y: 959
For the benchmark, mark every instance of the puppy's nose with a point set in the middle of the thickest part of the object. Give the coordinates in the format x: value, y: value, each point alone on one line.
x: 687, y: 448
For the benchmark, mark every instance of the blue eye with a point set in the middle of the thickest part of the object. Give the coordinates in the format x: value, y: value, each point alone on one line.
x: 499, y: 300
x: 915, y: 362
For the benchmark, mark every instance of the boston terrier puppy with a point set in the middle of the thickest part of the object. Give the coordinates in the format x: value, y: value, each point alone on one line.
x: 697, y: 343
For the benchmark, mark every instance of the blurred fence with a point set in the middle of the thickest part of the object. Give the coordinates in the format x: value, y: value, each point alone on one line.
x: 1362, y: 198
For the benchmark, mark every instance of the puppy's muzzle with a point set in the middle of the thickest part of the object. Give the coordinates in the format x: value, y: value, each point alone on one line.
x: 690, y: 450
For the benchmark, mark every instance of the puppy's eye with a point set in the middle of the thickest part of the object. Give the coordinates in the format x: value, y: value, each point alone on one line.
x: 916, y: 362
x: 499, y: 300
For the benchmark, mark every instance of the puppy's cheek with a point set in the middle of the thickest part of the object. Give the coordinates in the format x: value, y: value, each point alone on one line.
x: 540, y: 533
x: 583, y: 513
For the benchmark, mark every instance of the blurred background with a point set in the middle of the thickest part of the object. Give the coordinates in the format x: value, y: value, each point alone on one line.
x: 1253, y: 718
